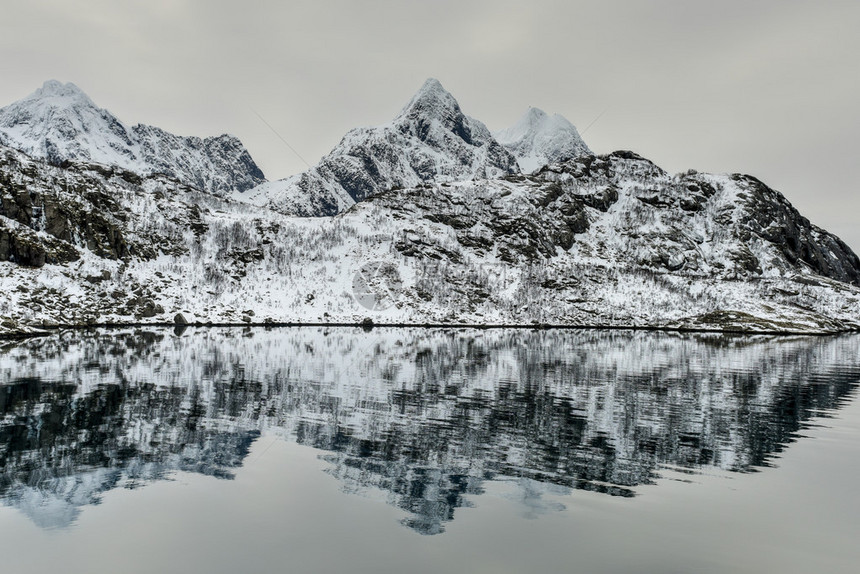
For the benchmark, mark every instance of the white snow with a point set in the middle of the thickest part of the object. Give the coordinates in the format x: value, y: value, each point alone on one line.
x: 59, y: 122
x: 538, y: 139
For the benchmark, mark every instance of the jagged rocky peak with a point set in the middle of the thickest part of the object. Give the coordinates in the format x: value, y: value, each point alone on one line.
x: 60, y: 123
x: 538, y: 139
x: 431, y: 101
x: 433, y: 104
x: 430, y: 140
x: 434, y: 116
x: 431, y: 95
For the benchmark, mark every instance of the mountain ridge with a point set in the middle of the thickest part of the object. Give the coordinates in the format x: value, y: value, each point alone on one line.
x: 600, y: 241
x: 60, y: 123
x: 429, y: 140
x: 607, y: 240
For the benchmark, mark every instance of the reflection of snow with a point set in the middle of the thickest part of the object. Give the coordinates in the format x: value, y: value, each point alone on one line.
x: 422, y: 418
x: 532, y: 496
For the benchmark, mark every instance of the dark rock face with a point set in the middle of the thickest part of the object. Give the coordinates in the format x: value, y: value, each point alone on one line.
x: 694, y: 227
x: 677, y: 224
x: 770, y: 216
x: 22, y: 246
x: 219, y: 165
x: 526, y: 230
x: 78, y: 206
x: 89, y: 216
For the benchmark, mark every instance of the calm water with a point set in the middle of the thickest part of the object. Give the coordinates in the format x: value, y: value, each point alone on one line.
x: 322, y: 450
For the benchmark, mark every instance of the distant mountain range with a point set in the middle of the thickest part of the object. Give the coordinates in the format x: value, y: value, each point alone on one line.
x: 431, y: 218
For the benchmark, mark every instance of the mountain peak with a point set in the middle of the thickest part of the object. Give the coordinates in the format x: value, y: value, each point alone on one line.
x: 430, y: 140
x: 432, y: 86
x: 55, y: 90
x: 539, y: 138
x: 431, y: 100
x: 56, y: 87
x: 534, y: 115
x: 534, y: 123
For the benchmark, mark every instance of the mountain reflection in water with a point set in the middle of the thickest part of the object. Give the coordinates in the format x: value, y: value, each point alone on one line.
x: 423, y: 416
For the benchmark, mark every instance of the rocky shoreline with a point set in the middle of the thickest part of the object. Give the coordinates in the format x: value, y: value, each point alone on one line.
x: 12, y: 333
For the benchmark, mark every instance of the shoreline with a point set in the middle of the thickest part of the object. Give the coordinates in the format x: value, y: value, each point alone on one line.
x: 369, y: 326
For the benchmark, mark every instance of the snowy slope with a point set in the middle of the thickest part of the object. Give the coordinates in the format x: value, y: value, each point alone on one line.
x: 600, y: 241
x: 430, y: 140
x: 538, y: 139
x: 60, y: 123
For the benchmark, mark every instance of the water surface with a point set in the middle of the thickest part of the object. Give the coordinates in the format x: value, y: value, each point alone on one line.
x: 428, y: 450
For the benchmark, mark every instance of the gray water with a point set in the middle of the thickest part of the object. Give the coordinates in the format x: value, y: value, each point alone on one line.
x: 413, y: 450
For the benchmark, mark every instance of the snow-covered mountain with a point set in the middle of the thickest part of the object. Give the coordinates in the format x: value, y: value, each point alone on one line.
x: 430, y: 140
x: 60, y: 123
x: 607, y: 240
x: 435, y: 224
x: 539, y: 139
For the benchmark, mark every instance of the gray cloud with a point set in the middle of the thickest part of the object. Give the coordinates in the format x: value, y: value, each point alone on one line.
x: 764, y: 87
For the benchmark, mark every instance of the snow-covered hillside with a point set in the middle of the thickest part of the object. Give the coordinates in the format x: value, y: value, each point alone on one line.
x: 435, y: 224
x: 430, y: 140
x: 60, y: 123
x: 600, y: 241
x: 539, y: 139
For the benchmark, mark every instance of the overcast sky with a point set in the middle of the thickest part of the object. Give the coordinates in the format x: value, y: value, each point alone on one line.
x: 769, y: 88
